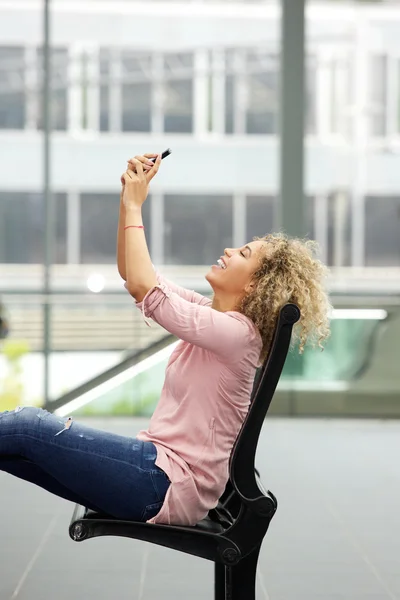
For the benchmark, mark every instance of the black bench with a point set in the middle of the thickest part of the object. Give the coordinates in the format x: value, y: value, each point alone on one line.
x: 232, y: 533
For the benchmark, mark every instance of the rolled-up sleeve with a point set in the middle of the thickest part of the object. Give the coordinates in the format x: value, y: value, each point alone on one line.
x: 224, y: 333
x: 189, y: 295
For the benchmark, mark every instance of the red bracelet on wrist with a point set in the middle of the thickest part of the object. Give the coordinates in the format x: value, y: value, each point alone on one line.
x: 138, y: 226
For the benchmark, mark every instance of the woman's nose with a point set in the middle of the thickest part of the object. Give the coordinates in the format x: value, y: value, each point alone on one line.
x: 228, y: 251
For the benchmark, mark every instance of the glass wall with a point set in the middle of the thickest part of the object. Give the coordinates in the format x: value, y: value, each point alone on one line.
x: 20, y: 97
x: 148, y: 92
x: 22, y: 231
x: 197, y: 228
x: 99, y: 224
x: 339, y: 367
x: 382, y: 230
x: 12, y: 98
x: 143, y: 91
x: 187, y: 225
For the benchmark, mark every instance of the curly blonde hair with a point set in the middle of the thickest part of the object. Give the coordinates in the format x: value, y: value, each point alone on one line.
x: 289, y: 272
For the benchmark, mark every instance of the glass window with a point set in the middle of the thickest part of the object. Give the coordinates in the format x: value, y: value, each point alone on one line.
x: 136, y: 91
x: 99, y: 224
x: 235, y: 90
x: 261, y: 114
x: 260, y: 216
x: 136, y: 103
x: 341, y: 93
x: 12, y: 88
x: 398, y: 97
x: 262, y: 92
x: 251, y: 78
x: 310, y: 95
x: 59, y: 84
x: 339, y: 229
x: 104, y: 68
x: 22, y: 240
x: 382, y: 231
x: 197, y: 228
x: 377, y: 94
x: 178, y: 93
x: 229, y: 103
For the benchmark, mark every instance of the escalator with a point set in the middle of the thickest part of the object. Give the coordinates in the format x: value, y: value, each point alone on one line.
x: 120, y: 389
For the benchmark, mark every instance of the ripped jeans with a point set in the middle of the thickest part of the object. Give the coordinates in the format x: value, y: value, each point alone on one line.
x: 108, y: 473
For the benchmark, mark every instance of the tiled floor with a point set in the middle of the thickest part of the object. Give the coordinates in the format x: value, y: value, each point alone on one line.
x: 336, y: 534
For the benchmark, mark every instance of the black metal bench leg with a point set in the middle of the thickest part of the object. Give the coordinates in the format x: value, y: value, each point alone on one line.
x: 240, y: 580
x: 219, y: 581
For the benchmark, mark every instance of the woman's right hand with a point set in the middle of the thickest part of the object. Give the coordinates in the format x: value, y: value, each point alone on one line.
x: 144, y: 159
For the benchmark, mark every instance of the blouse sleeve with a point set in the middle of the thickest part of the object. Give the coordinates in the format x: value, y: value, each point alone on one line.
x: 189, y: 295
x: 224, y: 333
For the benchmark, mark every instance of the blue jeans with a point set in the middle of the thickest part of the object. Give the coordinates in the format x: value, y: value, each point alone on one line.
x: 109, y: 473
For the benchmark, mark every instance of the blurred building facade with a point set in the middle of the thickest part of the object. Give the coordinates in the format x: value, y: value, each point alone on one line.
x: 202, y: 78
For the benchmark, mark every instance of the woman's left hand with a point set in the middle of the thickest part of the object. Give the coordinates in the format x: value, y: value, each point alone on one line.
x: 136, y: 184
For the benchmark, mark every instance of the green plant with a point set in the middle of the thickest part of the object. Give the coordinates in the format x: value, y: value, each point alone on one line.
x: 11, y: 388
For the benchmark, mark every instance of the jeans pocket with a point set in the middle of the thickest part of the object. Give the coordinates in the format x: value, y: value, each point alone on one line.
x: 151, y: 511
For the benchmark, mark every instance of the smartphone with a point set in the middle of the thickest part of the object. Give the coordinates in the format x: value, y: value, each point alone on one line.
x: 166, y: 153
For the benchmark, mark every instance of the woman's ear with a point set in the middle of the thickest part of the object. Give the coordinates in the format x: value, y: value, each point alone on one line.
x: 249, y: 288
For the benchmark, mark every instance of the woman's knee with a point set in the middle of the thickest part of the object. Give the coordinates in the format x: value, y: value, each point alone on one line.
x: 31, y: 421
x: 15, y: 425
x: 23, y: 414
x: 19, y: 409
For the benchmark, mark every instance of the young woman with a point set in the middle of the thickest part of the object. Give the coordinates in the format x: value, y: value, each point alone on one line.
x: 176, y: 470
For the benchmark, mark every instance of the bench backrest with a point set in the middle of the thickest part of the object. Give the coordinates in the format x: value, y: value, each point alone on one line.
x: 243, y: 454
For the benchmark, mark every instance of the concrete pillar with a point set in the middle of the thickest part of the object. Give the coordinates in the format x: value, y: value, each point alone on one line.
x: 291, y: 207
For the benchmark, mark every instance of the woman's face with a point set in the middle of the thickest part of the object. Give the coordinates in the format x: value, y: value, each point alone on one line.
x: 239, y: 266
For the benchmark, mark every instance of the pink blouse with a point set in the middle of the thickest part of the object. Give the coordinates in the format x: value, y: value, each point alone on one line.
x: 204, y: 399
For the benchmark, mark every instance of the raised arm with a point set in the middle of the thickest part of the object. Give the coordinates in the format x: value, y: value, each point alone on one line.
x: 121, y: 238
x: 189, y: 295
x: 148, y: 170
